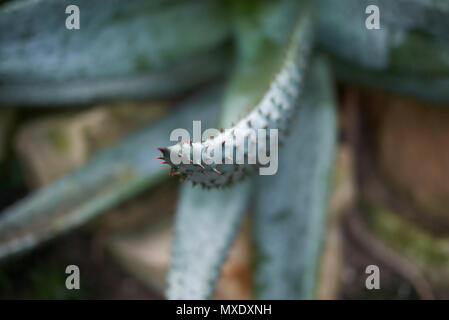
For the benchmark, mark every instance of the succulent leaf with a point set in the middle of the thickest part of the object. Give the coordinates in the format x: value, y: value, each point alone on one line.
x: 111, y: 176
x: 291, y: 206
x: 274, y: 111
x: 206, y: 224
x: 123, y: 49
x: 432, y: 89
x: 415, y: 28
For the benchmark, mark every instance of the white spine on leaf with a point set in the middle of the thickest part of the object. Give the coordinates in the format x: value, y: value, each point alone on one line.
x: 274, y: 111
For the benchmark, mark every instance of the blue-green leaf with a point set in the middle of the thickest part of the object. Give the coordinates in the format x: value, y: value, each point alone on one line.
x: 291, y: 206
x: 268, y: 80
x: 206, y: 223
x: 412, y: 37
x: 111, y: 176
x: 123, y: 49
x: 433, y: 89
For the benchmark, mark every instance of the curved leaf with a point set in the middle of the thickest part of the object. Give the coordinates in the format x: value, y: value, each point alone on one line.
x: 269, y: 79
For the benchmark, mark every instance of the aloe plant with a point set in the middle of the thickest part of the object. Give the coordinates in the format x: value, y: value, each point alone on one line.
x: 280, y: 58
